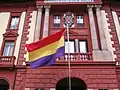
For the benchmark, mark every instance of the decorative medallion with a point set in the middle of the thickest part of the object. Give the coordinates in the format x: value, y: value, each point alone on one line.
x: 68, y: 19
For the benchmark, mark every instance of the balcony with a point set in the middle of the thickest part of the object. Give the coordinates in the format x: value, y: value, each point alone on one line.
x: 77, y: 57
x: 7, y: 61
x: 52, y: 1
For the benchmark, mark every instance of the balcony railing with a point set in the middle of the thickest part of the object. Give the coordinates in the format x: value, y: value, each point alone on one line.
x: 69, y: 1
x: 7, y: 61
x: 77, y: 57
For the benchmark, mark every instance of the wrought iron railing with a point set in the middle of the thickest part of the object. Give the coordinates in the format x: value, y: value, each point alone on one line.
x: 7, y: 61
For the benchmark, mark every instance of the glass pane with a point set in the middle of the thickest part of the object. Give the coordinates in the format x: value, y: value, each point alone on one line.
x: 56, y: 21
x: 8, y: 49
x: 80, y: 20
x: 14, y: 23
x: 82, y: 46
x: 5, y: 51
x: 71, y: 47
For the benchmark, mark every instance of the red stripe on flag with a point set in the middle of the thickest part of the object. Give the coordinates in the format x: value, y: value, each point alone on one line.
x: 45, y: 41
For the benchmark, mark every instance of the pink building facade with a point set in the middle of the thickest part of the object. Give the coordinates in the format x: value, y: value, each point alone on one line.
x: 94, y: 44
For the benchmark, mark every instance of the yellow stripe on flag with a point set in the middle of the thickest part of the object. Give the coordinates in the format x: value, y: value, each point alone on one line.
x: 47, y: 50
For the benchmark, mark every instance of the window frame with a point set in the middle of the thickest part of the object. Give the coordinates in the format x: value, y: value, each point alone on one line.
x: 4, y: 48
x: 8, y: 36
x: 83, y: 21
x: 86, y: 46
x: 60, y: 21
x: 15, y: 14
x: 69, y: 45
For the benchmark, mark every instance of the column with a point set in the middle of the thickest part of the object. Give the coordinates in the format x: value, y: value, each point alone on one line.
x: 97, y: 55
x: 106, y: 54
x: 92, y: 28
x: 77, y: 45
x: 38, y: 23
x: 100, y: 27
x: 46, y: 21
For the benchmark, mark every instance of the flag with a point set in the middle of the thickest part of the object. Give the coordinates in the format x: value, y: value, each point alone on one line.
x: 45, y: 51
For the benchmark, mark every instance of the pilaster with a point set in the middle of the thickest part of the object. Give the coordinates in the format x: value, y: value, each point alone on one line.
x: 46, y: 21
x: 76, y: 45
x: 92, y: 28
x: 38, y: 23
x: 105, y: 53
x: 96, y: 52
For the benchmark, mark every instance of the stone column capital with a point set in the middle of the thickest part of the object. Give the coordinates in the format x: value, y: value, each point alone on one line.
x: 90, y: 7
x: 39, y: 8
x: 47, y: 7
x: 98, y: 7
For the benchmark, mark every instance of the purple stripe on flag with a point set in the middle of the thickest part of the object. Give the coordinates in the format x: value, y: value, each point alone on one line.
x: 48, y: 60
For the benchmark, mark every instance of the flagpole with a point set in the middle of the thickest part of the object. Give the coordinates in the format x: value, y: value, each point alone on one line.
x: 69, y: 76
x: 68, y: 20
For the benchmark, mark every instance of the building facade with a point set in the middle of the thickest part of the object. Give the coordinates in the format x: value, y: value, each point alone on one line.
x: 94, y: 44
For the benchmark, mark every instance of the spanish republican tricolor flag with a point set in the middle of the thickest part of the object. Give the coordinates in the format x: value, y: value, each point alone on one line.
x: 45, y: 51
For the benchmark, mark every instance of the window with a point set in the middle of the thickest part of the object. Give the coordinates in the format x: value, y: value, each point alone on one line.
x: 71, y: 46
x: 80, y: 20
x: 14, y: 22
x: 8, y: 49
x: 56, y: 20
x: 82, y: 46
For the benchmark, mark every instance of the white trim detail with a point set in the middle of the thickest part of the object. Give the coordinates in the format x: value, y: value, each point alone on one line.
x: 52, y: 89
x: 107, y: 32
x: 31, y: 31
x: 20, y: 31
x: 117, y: 25
x: 27, y: 88
x: 115, y: 89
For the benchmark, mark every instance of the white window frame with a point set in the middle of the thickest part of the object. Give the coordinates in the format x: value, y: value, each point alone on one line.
x: 9, y: 46
x: 14, y: 22
x: 80, y: 20
x: 71, y: 46
x: 56, y: 20
x: 83, y: 46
